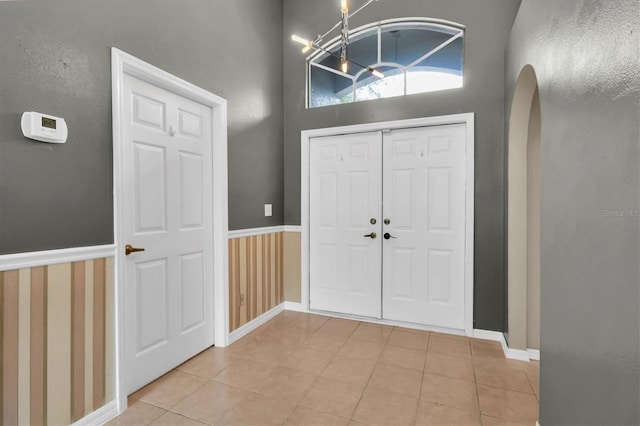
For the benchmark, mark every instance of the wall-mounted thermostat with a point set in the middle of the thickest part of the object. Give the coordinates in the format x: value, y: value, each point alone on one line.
x: 44, y: 128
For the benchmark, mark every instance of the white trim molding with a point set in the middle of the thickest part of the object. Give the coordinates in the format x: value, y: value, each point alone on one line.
x: 518, y: 354
x: 255, y: 323
x: 292, y: 228
x: 122, y: 63
x: 294, y: 306
x: 100, y: 416
x: 240, y: 233
x: 10, y: 262
x: 250, y: 232
x: 467, y: 119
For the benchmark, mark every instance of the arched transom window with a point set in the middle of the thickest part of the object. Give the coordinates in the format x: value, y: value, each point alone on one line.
x: 415, y: 55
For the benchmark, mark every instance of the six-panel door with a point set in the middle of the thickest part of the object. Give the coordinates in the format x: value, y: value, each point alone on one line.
x: 424, y: 200
x: 346, y: 189
x: 168, y: 212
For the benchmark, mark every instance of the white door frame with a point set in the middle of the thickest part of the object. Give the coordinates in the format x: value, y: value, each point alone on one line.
x: 468, y: 119
x: 122, y: 63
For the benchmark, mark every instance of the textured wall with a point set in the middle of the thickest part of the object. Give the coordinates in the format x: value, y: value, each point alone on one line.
x: 255, y: 277
x: 56, y: 60
x: 56, y: 342
x: 488, y: 24
x: 586, y: 55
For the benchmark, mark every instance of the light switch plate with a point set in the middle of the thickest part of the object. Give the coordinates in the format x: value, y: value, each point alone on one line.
x: 268, y: 210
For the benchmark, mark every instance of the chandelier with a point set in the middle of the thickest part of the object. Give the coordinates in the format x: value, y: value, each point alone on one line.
x: 343, y: 24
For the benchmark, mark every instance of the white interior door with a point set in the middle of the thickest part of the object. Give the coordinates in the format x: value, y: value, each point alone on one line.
x: 168, y: 288
x: 424, y: 201
x: 346, y: 185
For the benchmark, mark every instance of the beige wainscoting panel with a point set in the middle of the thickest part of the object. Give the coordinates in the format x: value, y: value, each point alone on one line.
x: 38, y: 364
x: 59, y: 345
x: 291, y: 263
x: 255, y: 277
x: 50, y: 344
x: 24, y: 348
x: 10, y: 328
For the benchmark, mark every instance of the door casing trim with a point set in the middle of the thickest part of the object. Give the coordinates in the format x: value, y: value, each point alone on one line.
x: 122, y: 63
x: 468, y: 119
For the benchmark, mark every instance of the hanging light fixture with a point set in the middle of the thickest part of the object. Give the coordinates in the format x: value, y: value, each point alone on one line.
x: 343, y: 24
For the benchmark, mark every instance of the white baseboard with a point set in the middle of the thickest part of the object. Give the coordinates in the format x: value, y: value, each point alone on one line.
x: 492, y: 335
x: 518, y: 354
x: 100, y: 416
x: 294, y: 306
x: 253, y: 324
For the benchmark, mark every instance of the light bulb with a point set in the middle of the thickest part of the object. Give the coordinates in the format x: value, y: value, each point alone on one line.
x: 344, y: 66
x: 376, y: 73
x: 307, y: 48
x: 344, y: 5
x: 300, y: 40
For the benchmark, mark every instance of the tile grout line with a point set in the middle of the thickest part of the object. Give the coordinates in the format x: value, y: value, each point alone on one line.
x: 299, y: 404
x: 424, y: 371
x: 475, y: 379
x: 370, y: 375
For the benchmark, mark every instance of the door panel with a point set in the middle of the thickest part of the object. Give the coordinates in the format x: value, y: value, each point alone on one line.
x: 168, y: 207
x: 345, y: 195
x: 151, y: 207
x: 424, y: 189
x: 151, y: 296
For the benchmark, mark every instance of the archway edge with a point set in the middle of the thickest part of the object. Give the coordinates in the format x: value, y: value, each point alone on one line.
x: 517, y: 257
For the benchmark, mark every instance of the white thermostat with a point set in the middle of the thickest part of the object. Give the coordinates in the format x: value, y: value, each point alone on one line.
x: 44, y: 128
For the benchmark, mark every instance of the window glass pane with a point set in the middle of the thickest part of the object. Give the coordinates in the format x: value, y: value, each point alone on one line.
x: 441, y: 71
x: 404, y: 46
x: 363, y: 51
x: 325, y: 86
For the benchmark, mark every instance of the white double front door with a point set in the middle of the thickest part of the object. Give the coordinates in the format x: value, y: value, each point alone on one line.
x: 387, y: 225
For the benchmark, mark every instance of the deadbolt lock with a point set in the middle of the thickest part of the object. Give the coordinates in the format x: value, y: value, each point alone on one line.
x: 373, y: 221
x: 387, y: 221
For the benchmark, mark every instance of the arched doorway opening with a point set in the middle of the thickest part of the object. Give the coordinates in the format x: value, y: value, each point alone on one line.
x: 523, y: 241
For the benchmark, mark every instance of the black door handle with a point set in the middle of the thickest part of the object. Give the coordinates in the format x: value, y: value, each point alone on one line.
x: 388, y: 236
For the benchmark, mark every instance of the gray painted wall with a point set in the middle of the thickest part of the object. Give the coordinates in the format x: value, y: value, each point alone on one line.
x: 586, y: 55
x: 55, y: 58
x: 488, y: 24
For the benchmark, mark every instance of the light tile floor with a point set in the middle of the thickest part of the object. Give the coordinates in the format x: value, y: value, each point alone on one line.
x: 303, y: 369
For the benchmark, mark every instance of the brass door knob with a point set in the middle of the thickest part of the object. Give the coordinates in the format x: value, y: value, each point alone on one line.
x: 128, y: 249
x: 372, y: 235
